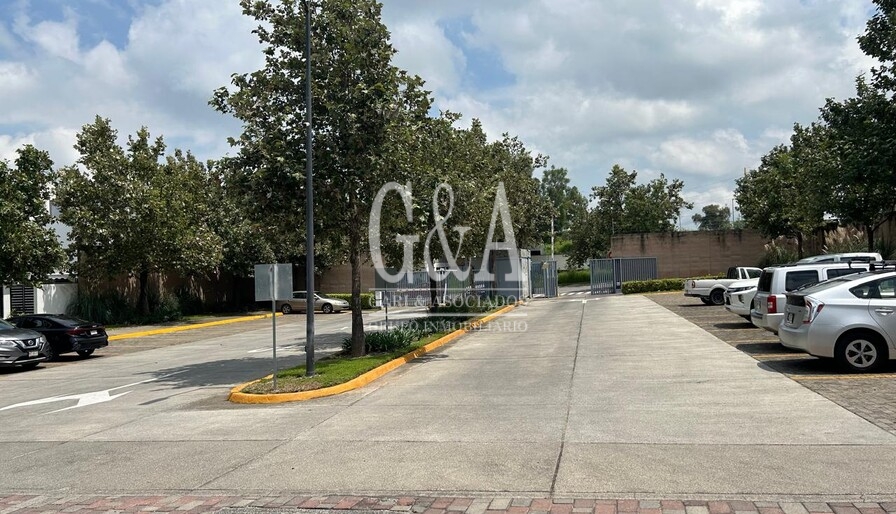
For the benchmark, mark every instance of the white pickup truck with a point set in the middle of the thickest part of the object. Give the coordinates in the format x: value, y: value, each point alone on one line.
x: 711, y: 291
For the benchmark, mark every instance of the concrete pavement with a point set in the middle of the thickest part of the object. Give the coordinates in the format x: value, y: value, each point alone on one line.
x: 612, y: 397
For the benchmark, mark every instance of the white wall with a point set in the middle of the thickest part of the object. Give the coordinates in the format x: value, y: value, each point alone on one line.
x: 54, y: 298
x: 6, y: 306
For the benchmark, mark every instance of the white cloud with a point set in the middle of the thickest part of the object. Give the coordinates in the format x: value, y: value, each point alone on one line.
x: 58, y: 39
x: 695, y: 89
x: 57, y: 141
x: 725, y: 150
x: 426, y: 50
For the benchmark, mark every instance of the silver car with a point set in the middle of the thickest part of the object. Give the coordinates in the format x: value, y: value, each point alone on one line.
x: 21, y: 347
x: 299, y: 303
x: 851, y: 319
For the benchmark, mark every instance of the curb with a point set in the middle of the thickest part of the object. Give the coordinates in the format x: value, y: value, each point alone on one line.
x: 182, y: 328
x: 237, y: 396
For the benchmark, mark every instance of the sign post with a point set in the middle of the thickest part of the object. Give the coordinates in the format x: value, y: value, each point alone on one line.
x: 273, y: 271
x: 273, y: 282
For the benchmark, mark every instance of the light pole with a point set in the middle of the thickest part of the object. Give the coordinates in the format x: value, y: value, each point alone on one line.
x: 309, y: 203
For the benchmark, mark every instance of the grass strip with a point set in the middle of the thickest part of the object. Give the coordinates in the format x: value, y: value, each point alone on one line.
x: 331, y: 371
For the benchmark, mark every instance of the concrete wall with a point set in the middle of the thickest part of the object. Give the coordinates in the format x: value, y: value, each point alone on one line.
x: 338, y: 279
x: 688, y: 254
x: 5, y: 307
x: 55, y: 298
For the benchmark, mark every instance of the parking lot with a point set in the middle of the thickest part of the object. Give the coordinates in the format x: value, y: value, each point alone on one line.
x: 871, y: 396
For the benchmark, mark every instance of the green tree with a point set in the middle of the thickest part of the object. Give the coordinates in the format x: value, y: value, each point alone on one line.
x: 622, y: 206
x: 860, y: 172
x: 714, y: 217
x: 879, y: 42
x: 29, y: 248
x: 778, y: 198
x: 136, y: 211
x: 566, y: 201
x: 366, y: 112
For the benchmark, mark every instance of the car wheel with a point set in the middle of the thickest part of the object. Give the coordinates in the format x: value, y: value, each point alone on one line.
x: 85, y: 353
x: 51, y: 353
x: 327, y: 308
x: 286, y: 309
x: 705, y: 300
x: 861, y: 351
x: 717, y: 297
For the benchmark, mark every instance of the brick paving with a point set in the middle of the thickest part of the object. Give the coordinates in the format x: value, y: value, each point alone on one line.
x: 190, y: 504
x: 872, y: 397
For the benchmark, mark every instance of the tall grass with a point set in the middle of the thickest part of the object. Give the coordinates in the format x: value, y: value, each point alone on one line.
x: 114, y: 308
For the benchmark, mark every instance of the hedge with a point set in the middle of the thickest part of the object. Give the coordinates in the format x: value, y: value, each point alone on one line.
x: 367, y: 299
x: 581, y: 276
x: 652, y: 286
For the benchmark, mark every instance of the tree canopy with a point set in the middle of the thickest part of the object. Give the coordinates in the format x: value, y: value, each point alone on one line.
x: 136, y: 210
x: 714, y: 217
x: 29, y: 248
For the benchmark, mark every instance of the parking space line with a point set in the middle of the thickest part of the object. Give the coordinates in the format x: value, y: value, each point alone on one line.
x: 773, y: 355
x: 870, y: 376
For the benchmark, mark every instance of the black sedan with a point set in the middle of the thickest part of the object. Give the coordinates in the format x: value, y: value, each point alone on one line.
x: 65, y: 333
x: 20, y: 347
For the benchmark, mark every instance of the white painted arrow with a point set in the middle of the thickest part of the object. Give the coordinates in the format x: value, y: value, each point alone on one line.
x: 84, y: 399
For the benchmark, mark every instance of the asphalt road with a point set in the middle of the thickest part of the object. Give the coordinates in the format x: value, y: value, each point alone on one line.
x: 611, y: 396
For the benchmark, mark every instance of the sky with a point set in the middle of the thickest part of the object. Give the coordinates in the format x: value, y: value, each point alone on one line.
x: 696, y: 90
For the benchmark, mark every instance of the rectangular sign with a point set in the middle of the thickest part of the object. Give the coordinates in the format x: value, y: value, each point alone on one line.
x: 263, y: 279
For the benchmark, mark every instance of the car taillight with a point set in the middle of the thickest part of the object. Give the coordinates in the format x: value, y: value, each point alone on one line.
x: 76, y: 332
x: 813, y: 309
x: 772, y: 304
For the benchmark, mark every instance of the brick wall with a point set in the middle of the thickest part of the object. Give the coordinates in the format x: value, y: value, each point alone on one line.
x: 689, y: 254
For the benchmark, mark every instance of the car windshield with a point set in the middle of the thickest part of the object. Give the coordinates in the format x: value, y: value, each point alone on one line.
x: 834, y: 282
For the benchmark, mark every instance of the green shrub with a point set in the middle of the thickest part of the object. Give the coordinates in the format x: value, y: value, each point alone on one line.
x: 114, y: 308
x: 109, y: 308
x: 887, y: 248
x: 190, y: 302
x: 166, y: 308
x: 778, y: 252
x: 386, y: 340
x: 651, y: 286
x: 471, y: 304
x: 367, y: 299
x: 579, y: 276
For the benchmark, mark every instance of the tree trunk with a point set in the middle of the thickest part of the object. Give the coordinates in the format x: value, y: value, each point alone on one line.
x: 143, y: 299
x: 799, y: 245
x: 358, y: 346
x: 869, y: 229
x: 433, y: 293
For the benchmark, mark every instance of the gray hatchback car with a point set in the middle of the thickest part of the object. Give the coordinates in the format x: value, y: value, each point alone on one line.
x: 21, y: 347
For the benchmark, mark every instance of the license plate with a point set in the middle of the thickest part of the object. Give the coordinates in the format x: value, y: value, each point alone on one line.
x: 93, y: 332
x: 790, y: 318
x: 32, y: 353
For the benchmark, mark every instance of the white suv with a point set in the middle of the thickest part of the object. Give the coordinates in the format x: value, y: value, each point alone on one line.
x: 842, y: 257
x: 775, y: 282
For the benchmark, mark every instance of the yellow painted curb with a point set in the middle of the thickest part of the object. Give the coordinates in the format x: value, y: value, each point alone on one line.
x: 237, y: 396
x: 181, y: 328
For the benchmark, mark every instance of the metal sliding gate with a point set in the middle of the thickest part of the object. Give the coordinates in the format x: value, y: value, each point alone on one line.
x: 544, y: 279
x: 607, y: 275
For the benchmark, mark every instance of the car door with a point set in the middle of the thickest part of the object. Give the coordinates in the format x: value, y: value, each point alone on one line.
x: 299, y: 301
x: 882, y: 305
